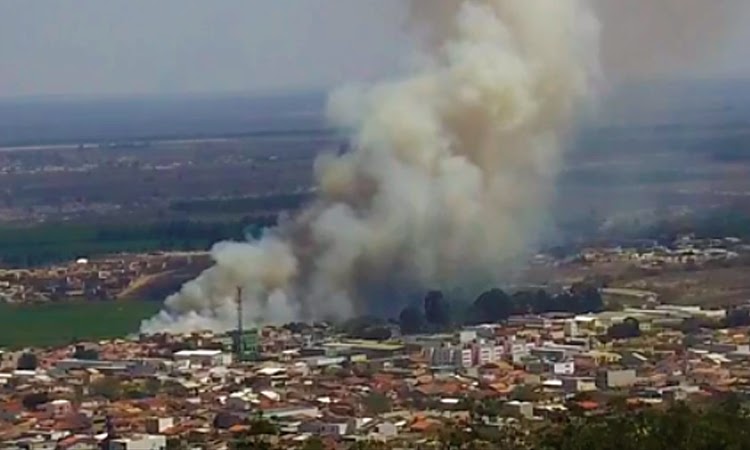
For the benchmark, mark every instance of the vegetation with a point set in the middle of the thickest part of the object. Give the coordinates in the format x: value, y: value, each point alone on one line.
x: 109, y: 387
x: 628, y: 329
x: 377, y: 403
x: 278, y: 202
x: 62, y: 323
x: 437, y: 314
x: 725, y: 426
x: 49, y: 243
x: 35, y: 399
x: 27, y: 361
x: 89, y: 354
x: 411, y: 320
x: 257, y: 435
x: 437, y: 310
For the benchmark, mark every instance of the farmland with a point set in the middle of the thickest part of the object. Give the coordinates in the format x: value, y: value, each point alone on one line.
x: 58, y: 324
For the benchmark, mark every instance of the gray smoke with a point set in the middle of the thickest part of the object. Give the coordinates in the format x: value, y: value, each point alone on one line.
x: 449, y: 177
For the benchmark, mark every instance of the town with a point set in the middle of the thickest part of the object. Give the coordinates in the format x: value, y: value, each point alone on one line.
x: 375, y: 225
x: 102, y: 278
x: 309, y: 386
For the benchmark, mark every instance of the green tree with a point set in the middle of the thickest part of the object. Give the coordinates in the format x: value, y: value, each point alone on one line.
x: 152, y: 386
x: 34, y: 400
x: 89, y: 354
x: 27, y: 361
x: 437, y: 310
x: 411, y: 320
x: 262, y: 427
x: 525, y: 393
x: 107, y: 387
x: 629, y: 328
x: 313, y: 443
x: 376, y: 403
x: 491, y: 306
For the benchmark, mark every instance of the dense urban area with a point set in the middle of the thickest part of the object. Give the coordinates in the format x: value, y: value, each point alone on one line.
x: 594, y: 364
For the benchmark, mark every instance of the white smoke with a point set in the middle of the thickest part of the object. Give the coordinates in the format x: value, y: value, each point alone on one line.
x: 448, y: 180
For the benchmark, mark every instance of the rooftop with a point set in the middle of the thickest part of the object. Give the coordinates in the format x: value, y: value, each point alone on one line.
x: 189, y: 353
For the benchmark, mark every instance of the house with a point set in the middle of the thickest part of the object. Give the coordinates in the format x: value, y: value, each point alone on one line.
x: 384, y: 431
x: 291, y: 411
x: 33, y: 443
x: 564, y: 368
x: 9, y: 360
x: 529, y: 321
x: 156, y: 425
x: 603, y: 358
x: 78, y: 442
x: 331, y: 426
x: 143, y: 442
x: 518, y: 409
x: 58, y: 408
x: 615, y: 379
x: 573, y: 385
x: 633, y: 360
x: 201, y: 358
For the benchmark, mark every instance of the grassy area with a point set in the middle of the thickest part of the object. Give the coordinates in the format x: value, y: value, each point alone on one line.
x: 49, y: 243
x: 59, y: 324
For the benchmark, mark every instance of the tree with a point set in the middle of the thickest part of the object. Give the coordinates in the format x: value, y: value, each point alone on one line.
x: 377, y: 333
x: 738, y: 317
x: 313, y: 443
x: 368, y: 445
x: 491, y: 306
x: 152, y: 386
x: 543, y: 302
x: 411, y: 320
x: 261, y: 427
x: 84, y: 353
x: 176, y: 444
x: 34, y: 400
x: 367, y: 327
x: 376, y: 403
x: 437, y: 310
x: 525, y: 393
x: 587, y: 298
x: 522, y: 302
x: 108, y: 387
x: 629, y: 328
x: 27, y: 361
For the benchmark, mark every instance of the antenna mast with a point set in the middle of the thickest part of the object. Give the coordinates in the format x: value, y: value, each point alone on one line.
x: 238, y: 338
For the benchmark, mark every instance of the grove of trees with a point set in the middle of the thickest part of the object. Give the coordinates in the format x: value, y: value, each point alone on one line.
x: 438, y: 314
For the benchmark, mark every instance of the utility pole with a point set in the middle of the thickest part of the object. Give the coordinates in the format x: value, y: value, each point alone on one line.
x: 238, y: 337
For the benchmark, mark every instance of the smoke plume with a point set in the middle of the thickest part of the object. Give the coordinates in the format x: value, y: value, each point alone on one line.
x: 448, y: 179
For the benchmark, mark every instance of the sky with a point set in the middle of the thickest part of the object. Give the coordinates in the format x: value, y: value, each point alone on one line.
x: 121, y: 47
x: 85, y: 47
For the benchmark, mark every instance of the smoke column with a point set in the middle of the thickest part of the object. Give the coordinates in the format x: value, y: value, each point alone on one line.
x: 450, y: 174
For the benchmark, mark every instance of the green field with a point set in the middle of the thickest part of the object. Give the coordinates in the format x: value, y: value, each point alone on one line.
x: 47, y: 243
x: 63, y: 323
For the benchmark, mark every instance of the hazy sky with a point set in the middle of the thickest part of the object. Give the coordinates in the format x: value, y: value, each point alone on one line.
x: 144, y: 46
x: 174, y: 46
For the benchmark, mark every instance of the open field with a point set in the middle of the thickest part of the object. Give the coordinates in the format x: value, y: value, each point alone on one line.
x: 46, y: 243
x: 58, y: 324
x: 711, y: 286
x: 719, y: 286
